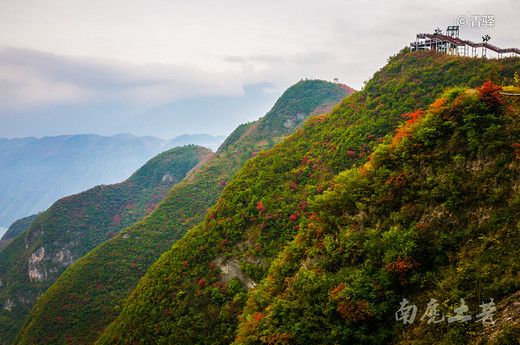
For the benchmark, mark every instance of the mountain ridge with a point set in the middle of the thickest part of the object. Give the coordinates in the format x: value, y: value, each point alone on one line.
x: 196, y: 290
x: 35, y: 172
x: 128, y: 256
x: 16, y: 229
x: 74, y: 225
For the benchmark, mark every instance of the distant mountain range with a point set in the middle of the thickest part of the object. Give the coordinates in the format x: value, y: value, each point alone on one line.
x: 34, y: 173
x: 210, y: 114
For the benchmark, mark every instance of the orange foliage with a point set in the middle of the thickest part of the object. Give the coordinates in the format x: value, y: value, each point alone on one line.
x: 279, y: 338
x: 260, y: 207
x: 397, y: 181
x: 354, y: 311
x: 405, y: 130
x: 414, y: 117
x: 349, y: 310
x: 438, y: 105
x: 257, y: 316
x: 334, y: 293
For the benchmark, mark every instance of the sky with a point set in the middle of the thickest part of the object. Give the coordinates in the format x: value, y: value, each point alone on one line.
x: 86, y: 66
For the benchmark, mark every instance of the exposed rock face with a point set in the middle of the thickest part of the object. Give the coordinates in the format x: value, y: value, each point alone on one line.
x: 288, y: 123
x: 230, y: 269
x: 508, y: 312
x: 167, y: 177
x: 36, y: 273
x: 293, y: 120
x: 40, y: 265
x: 63, y: 257
x: 8, y: 305
x: 32, y: 235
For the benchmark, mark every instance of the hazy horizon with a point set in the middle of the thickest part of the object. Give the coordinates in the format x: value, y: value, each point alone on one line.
x: 69, y: 68
x: 110, y: 135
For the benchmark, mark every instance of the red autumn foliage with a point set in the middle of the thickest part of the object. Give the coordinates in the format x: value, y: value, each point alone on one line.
x: 293, y: 217
x: 405, y: 131
x: 349, y: 310
x: 403, y: 267
x: 414, y: 117
x: 397, y: 181
x: 257, y: 316
x: 351, y: 154
x: 260, y: 207
x: 202, y: 282
x: 516, y: 147
x: 490, y: 94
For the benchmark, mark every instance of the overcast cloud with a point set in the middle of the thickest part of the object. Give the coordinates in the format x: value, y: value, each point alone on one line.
x: 130, y: 55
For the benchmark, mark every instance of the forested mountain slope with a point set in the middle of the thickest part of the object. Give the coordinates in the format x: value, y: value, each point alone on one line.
x: 195, y: 292
x: 420, y: 245
x: 75, y: 225
x: 85, y: 299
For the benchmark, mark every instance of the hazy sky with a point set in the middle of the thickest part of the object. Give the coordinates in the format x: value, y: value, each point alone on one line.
x: 96, y: 63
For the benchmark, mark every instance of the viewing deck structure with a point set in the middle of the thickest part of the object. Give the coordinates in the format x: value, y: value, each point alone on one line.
x: 451, y: 44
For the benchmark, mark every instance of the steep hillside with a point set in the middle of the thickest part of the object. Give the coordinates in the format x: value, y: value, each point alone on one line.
x: 85, y: 299
x: 432, y: 219
x: 16, y: 229
x: 196, y: 290
x: 34, y: 173
x: 75, y: 225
